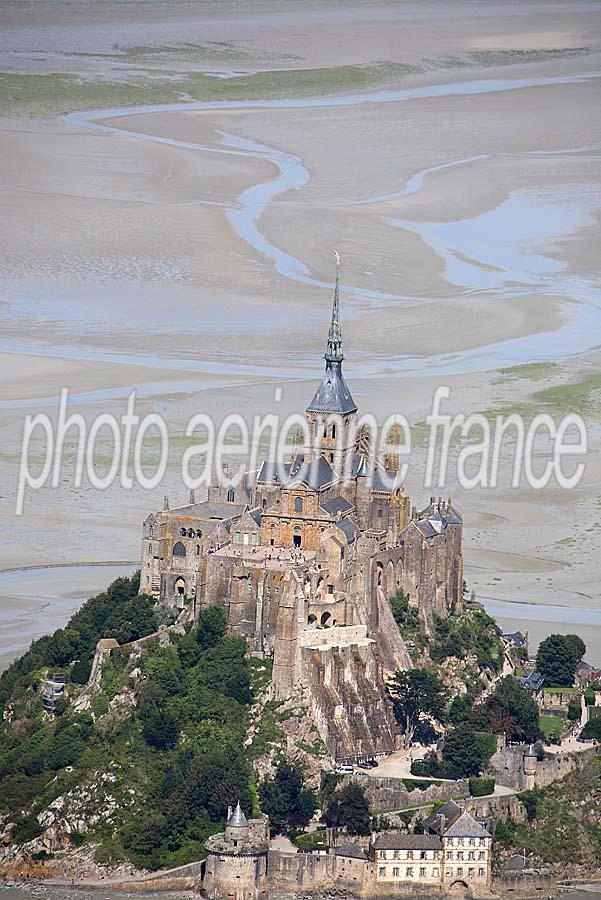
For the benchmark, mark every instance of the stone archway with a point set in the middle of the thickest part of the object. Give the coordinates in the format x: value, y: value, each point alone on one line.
x: 459, y: 889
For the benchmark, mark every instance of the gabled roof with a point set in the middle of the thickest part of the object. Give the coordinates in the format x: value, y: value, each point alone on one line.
x: 335, y: 505
x: 400, y: 841
x: 209, y: 509
x: 256, y: 514
x: 316, y: 473
x: 465, y: 826
x: 272, y: 473
x: 346, y: 848
x: 515, y: 638
x: 349, y: 528
x: 448, y: 812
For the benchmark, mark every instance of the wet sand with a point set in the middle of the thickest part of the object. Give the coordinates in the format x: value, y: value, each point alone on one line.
x: 187, y: 252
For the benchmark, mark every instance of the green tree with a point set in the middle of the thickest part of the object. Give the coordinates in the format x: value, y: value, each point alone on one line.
x: 557, y: 658
x: 574, y: 710
x: 466, y: 751
x: 285, y: 798
x: 212, y: 627
x: 415, y: 693
x: 512, y: 709
x: 349, y: 809
x: 592, y: 730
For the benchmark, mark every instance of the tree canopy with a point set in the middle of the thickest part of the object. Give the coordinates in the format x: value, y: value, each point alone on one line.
x: 415, y: 693
x: 286, y: 799
x: 557, y: 658
x: 348, y: 808
x: 512, y: 709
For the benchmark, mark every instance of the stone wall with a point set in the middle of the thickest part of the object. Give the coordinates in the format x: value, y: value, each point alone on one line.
x: 391, y: 793
x: 506, y: 765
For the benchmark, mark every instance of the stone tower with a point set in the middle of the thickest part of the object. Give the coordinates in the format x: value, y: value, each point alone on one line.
x: 530, y: 761
x: 332, y: 411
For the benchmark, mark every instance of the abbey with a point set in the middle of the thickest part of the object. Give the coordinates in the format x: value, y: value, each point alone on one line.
x: 304, y: 557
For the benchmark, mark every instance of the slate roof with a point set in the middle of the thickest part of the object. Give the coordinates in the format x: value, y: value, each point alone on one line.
x: 210, y: 509
x: 333, y: 394
x: 515, y: 638
x: 237, y: 818
x: 378, y: 483
x: 336, y: 505
x: 270, y: 473
x: 349, y: 528
x: 465, y: 826
x: 256, y: 514
x: 316, y: 473
x: 400, y: 841
x: 448, y: 812
x: 532, y: 682
x: 346, y: 848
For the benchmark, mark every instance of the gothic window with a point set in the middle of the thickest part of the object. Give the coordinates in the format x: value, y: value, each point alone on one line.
x: 179, y: 549
x: 298, y: 505
x: 334, y: 431
x: 230, y: 496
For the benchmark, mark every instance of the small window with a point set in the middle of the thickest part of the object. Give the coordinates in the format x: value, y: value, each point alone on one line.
x: 198, y: 549
x: 231, y: 496
x: 382, y: 871
x: 183, y: 532
x: 298, y: 505
x: 409, y: 871
x: 470, y: 872
x: 480, y: 872
x: 422, y: 871
x: 264, y: 503
x: 198, y: 533
x: 396, y: 872
x: 237, y: 536
x: 330, y: 589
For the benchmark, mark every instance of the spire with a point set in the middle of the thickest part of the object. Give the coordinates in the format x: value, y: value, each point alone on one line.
x: 334, y: 349
x: 333, y: 395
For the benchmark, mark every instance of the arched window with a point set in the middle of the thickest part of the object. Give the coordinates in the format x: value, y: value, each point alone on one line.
x: 183, y: 532
x: 334, y: 431
x: 264, y: 503
x: 150, y: 548
x: 179, y: 549
x: 298, y: 504
x: 379, y: 515
x: 190, y: 532
x: 198, y: 549
x: 198, y: 533
x: 231, y: 496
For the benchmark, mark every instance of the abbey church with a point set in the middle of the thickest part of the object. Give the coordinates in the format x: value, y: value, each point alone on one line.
x: 304, y: 556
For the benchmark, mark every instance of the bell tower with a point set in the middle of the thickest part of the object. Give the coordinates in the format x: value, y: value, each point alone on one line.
x: 331, y: 413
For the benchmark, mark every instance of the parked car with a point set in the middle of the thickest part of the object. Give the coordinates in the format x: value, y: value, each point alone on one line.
x: 344, y: 770
x: 365, y: 764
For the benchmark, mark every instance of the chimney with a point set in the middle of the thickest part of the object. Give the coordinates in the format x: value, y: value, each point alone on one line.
x: 166, y: 501
x: 192, y: 497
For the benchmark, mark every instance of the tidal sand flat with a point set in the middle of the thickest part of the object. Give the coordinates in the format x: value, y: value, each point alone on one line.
x: 174, y: 181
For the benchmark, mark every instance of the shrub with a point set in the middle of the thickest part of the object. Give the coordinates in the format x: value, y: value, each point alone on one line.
x: 574, y: 710
x: 481, y: 787
x: 26, y: 829
x: 592, y: 729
